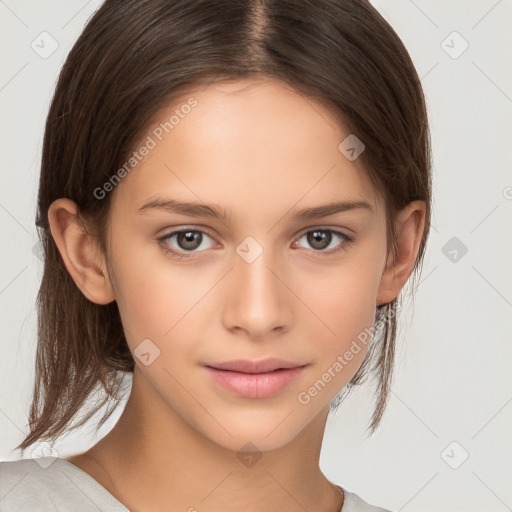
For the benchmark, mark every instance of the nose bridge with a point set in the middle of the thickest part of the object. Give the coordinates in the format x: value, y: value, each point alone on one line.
x: 256, y: 301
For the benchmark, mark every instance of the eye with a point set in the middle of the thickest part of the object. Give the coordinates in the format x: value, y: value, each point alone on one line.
x: 321, y: 239
x: 185, y: 240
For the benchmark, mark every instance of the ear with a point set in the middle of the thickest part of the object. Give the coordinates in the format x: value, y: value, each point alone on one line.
x: 80, y: 252
x: 410, y: 225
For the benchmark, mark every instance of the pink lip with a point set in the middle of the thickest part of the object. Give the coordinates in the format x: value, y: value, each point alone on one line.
x: 255, y: 379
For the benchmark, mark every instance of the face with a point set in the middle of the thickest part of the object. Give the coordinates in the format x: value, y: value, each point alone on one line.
x: 209, y: 302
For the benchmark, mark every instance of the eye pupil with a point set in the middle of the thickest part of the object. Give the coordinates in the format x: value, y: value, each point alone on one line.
x: 319, y: 239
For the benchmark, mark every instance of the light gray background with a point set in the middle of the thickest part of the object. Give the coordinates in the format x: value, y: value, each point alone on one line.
x: 453, y: 379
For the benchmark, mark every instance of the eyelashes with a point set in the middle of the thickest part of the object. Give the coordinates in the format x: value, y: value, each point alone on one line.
x: 190, y: 240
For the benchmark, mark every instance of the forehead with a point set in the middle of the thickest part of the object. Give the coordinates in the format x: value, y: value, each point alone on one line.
x: 252, y: 141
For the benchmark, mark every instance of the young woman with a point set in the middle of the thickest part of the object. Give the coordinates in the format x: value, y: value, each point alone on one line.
x: 233, y: 194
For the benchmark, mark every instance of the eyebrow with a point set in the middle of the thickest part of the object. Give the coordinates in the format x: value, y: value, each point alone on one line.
x: 216, y: 212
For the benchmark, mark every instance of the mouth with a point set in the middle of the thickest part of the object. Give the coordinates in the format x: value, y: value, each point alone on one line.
x: 255, y: 379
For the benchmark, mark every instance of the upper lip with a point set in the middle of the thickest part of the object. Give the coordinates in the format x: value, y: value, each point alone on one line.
x: 247, y: 366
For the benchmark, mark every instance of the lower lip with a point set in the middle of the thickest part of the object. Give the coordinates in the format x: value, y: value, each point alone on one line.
x: 255, y: 385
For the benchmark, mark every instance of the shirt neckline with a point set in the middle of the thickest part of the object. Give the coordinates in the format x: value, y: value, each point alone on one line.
x: 107, y: 495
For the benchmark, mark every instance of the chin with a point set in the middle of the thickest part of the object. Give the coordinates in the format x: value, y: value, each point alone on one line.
x: 251, y: 439
x: 265, y: 429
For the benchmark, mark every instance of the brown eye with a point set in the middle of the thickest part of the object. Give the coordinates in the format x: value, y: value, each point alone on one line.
x: 185, y: 241
x: 321, y: 239
x: 189, y: 240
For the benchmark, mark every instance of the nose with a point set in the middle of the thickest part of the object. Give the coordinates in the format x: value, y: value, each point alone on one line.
x: 257, y: 302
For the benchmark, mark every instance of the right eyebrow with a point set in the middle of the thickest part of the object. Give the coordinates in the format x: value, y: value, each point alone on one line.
x: 192, y: 209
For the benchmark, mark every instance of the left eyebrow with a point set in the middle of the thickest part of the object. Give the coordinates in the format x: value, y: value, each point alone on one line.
x: 216, y: 212
x: 317, y: 212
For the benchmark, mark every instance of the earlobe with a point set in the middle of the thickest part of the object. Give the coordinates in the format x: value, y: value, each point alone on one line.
x: 79, y: 252
x: 410, y: 226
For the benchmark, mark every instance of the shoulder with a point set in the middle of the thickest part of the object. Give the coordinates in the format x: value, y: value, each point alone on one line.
x: 50, y: 484
x: 22, y: 481
x: 354, y: 503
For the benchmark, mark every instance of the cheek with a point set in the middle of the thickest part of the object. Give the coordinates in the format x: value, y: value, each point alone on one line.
x: 343, y: 304
x: 343, y: 298
x: 154, y: 295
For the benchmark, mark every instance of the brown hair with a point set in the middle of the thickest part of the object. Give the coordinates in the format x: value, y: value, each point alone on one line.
x: 131, y: 60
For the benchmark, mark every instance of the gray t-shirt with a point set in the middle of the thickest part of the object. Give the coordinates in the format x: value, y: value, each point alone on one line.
x: 52, y: 484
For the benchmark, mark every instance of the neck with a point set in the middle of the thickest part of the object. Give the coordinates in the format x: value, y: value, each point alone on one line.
x: 152, y: 457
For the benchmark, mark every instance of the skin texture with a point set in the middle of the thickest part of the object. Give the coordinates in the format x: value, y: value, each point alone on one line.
x: 262, y: 152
